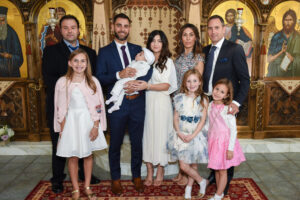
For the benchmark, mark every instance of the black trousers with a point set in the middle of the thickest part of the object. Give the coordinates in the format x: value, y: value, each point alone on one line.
x: 58, y: 163
x: 230, y: 173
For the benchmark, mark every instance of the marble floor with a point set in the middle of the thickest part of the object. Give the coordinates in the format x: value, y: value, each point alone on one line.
x: 277, y: 174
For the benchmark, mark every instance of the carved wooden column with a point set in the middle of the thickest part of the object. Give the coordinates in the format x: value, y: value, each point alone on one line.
x: 33, y: 98
x: 89, y: 35
x: 262, y: 50
x: 259, y: 108
x: 31, y: 65
x: 203, y: 31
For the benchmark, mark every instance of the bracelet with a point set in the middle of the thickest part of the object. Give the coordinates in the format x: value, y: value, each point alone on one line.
x: 148, y: 86
x: 96, y: 127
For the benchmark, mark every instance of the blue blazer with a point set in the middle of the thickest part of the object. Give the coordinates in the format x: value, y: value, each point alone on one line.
x: 109, y: 63
x: 231, y: 64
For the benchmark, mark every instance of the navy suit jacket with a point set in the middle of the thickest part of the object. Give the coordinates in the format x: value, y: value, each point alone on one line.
x: 109, y: 63
x: 231, y: 64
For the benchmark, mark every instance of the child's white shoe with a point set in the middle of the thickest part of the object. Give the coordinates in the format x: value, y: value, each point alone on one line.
x: 188, y: 193
x: 203, y: 185
x: 113, y: 108
x: 111, y: 99
x: 107, y: 102
x: 217, y: 197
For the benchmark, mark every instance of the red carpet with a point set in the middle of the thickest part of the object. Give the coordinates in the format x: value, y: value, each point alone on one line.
x: 240, y: 189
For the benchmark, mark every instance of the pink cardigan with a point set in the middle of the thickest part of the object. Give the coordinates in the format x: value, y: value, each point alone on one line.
x: 95, y: 102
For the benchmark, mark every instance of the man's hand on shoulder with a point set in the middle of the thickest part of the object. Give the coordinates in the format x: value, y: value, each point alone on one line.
x: 233, y: 109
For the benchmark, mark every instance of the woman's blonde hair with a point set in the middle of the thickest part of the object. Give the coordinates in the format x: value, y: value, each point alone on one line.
x: 87, y: 72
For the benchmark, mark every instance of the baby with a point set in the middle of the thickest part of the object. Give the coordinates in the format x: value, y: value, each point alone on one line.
x: 142, y: 63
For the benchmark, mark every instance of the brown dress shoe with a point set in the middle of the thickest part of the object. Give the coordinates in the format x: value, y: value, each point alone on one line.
x: 116, y: 187
x: 138, y: 184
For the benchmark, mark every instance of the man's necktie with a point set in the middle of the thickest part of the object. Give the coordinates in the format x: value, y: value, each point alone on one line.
x: 208, y: 67
x: 73, y: 48
x: 125, y: 58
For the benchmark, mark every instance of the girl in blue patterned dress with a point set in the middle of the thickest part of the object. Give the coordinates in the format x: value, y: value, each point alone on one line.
x: 188, y: 141
x: 189, y: 52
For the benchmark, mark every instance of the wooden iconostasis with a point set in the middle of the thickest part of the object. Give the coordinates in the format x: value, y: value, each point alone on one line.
x: 273, y: 105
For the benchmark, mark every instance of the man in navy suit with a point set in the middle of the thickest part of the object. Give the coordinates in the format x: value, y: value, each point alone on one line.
x: 112, y: 63
x: 54, y: 65
x: 225, y: 59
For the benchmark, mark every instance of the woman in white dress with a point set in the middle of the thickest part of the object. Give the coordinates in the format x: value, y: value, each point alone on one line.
x: 159, y: 111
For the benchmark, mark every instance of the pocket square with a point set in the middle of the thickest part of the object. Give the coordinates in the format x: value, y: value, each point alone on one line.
x: 223, y: 60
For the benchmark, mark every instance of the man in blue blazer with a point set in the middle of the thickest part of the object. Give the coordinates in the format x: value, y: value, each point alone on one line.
x: 225, y: 59
x: 112, y: 63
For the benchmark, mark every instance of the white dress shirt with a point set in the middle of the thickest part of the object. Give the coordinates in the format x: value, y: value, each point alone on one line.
x: 216, y: 54
x: 121, y: 55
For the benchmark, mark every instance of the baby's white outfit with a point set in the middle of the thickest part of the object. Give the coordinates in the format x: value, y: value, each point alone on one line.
x: 118, y: 92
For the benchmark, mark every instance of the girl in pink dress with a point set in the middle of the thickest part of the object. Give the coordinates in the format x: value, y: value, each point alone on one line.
x: 224, y: 150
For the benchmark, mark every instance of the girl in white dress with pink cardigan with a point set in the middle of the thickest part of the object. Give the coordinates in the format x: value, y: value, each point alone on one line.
x: 80, y: 119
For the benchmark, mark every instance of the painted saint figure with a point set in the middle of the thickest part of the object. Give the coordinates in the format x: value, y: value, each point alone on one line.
x: 11, y: 57
x: 284, y: 49
x: 243, y: 38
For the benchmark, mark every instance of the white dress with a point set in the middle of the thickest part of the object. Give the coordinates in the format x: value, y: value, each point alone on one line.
x: 159, y: 116
x: 74, y: 140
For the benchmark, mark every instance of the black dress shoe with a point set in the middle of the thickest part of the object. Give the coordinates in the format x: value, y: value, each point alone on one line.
x: 94, y: 179
x: 211, y: 178
x: 57, y: 188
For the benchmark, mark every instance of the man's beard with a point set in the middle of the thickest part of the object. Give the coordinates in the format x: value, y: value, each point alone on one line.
x: 3, y: 32
x: 288, y: 30
x: 230, y: 21
x: 119, y: 38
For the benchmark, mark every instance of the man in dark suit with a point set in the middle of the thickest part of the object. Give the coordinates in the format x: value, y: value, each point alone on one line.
x: 225, y: 59
x: 112, y: 63
x: 54, y: 65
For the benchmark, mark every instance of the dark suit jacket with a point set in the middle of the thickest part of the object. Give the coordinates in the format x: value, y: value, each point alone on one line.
x: 231, y: 64
x: 109, y: 63
x: 54, y: 65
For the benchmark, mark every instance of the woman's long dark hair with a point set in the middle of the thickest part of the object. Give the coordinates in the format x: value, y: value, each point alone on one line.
x: 197, y: 49
x: 165, y: 52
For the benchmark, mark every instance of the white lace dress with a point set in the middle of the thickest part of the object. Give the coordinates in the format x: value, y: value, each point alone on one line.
x: 74, y: 140
x: 159, y: 116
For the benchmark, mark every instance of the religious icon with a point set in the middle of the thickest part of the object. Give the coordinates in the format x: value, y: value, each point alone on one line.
x: 284, y: 48
x: 242, y: 36
x: 11, y: 57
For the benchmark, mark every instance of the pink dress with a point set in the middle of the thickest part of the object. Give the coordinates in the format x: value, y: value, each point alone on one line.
x: 219, y: 137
